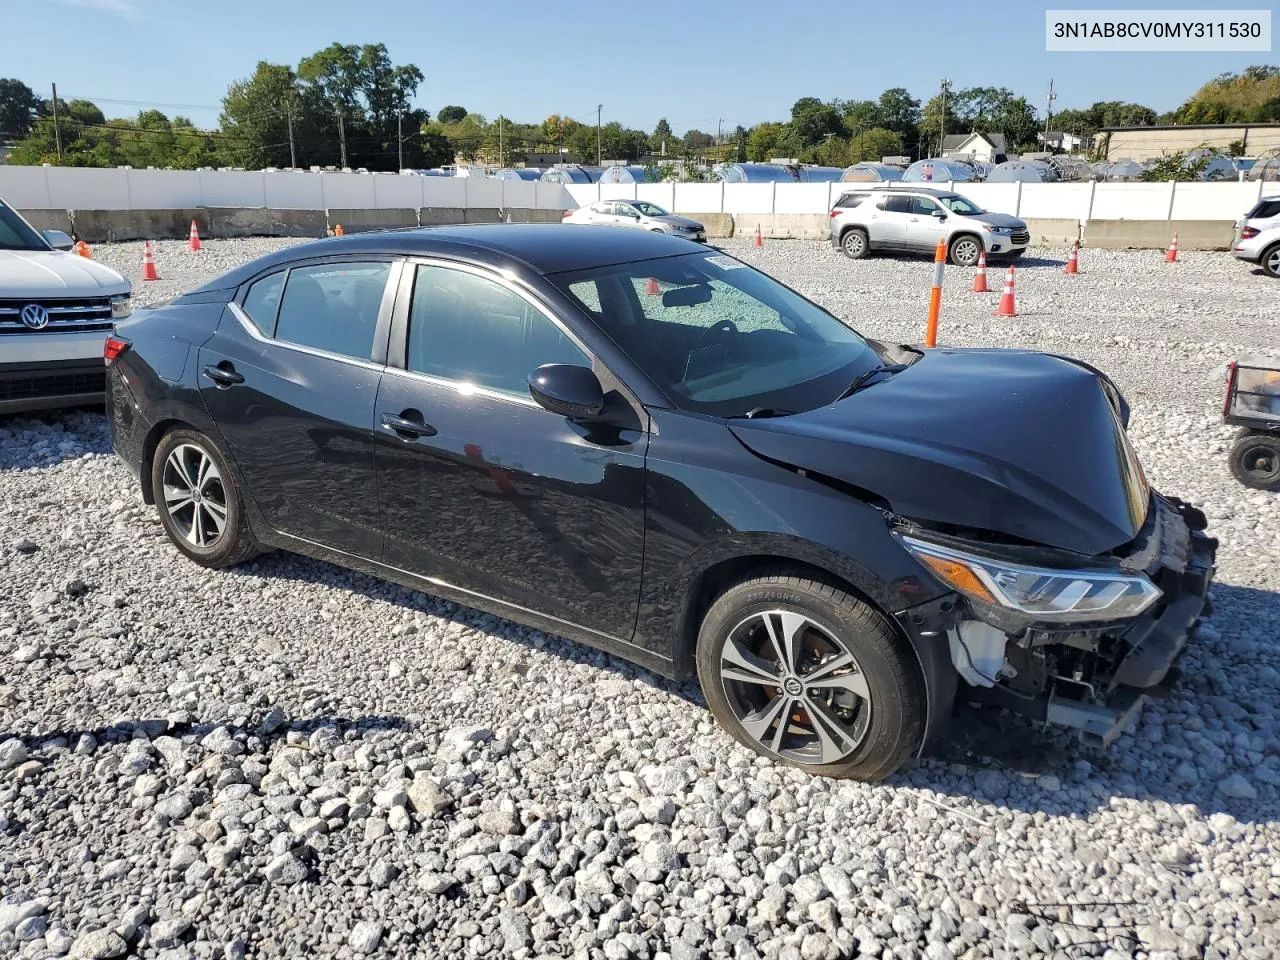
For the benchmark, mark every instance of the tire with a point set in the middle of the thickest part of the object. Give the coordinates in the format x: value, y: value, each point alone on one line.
x: 872, y: 709
x: 185, y: 459
x: 1270, y: 261
x: 965, y: 250
x: 1255, y: 461
x: 854, y: 243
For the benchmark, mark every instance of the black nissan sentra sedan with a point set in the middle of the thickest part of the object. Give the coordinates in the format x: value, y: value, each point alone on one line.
x: 655, y: 449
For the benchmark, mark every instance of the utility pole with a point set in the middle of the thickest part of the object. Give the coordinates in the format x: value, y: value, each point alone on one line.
x: 942, y: 123
x: 342, y: 140
x: 599, y: 154
x: 719, y: 130
x: 293, y: 153
x: 501, y: 153
x: 57, y: 131
x: 1048, y: 114
x: 400, y: 138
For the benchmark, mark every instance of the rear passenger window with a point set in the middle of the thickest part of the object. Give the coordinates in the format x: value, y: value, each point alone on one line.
x: 261, y: 301
x: 898, y: 204
x: 470, y: 329
x: 850, y: 200
x: 333, y: 307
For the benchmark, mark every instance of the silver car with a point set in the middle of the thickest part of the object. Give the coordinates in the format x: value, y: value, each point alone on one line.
x: 913, y: 219
x: 1258, y: 236
x: 637, y: 213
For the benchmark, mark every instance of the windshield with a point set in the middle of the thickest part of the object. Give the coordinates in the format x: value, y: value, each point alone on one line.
x: 649, y: 209
x: 958, y: 204
x: 15, y: 234
x: 719, y: 337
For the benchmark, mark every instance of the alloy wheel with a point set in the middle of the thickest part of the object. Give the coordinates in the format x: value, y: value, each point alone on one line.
x: 195, y: 496
x: 965, y: 252
x: 1273, y: 262
x: 795, y: 688
x: 854, y: 243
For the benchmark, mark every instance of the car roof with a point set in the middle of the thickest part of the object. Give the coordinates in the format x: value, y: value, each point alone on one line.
x: 544, y: 248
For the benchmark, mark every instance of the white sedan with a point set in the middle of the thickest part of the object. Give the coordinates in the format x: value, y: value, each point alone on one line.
x: 637, y: 213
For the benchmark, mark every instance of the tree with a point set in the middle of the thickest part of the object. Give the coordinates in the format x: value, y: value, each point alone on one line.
x: 812, y: 120
x: 764, y: 141
x: 697, y: 140
x: 616, y: 143
x: 1175, y: 166
x: 862, y: 114
x: 899, y: 112
x: 451, y: 114
x: 930, y: 127
x: 257, y: 112
x: 19, y: 109
x: 874, y: 144
x: 1251, y: 96
x: 334, y: 76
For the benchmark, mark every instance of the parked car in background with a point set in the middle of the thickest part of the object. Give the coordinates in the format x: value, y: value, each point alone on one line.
x: 636, y: 213
x: 655, y: 449
x: 912, y: 219
x: 1258, y: 236
x: 55, y: 312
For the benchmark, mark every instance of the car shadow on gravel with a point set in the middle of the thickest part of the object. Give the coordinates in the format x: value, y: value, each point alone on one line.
x: 125, y: 730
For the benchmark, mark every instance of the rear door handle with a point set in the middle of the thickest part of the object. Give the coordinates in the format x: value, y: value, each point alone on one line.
x: 405, y: 428
x: 224, y: 376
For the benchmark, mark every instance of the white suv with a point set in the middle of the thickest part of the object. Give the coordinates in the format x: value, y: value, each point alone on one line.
x: 913, y: 219
x: 56, y: 310
x: 1258, y: 237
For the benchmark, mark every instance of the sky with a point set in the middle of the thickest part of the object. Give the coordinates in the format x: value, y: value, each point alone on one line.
x: 697, y: 63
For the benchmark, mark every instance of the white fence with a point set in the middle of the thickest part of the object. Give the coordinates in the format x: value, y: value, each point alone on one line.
x: 1069, y: 201
x: 84, y: 188
x: 80, y: 188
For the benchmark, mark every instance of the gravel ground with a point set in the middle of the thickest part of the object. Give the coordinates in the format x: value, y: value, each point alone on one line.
x: 289, y: 759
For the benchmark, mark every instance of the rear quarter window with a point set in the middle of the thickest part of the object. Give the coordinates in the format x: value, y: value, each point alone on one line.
x: 261, y: 301
x: 850, y: 200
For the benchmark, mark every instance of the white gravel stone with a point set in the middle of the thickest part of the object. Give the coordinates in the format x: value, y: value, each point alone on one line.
x: 365, y: 936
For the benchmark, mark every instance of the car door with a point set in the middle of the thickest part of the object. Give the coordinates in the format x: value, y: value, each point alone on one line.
x: 486, y: 490
x: 886, y: 221
x: 602, y: 212
x: 924, y: 230
x: 290, y: 377
x: 625, y: 215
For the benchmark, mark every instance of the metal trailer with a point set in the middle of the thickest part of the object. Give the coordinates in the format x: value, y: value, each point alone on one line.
x: 939, y: 170
x: 868, y: 172
x: 1024, y: 171
x: 756, y: 173
x: 814, y: 174
x: 1252, y: 403
x: 572, y: 174
x: 519, y: 173
x: 625, y: 174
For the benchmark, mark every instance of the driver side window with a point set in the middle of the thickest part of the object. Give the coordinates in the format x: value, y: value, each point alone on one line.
x: 923, y: 206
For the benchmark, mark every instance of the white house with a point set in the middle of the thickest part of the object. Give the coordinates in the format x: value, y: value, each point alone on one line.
x: 987, y: 147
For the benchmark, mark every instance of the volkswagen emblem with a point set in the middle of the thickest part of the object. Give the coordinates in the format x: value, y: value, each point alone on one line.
x: 35, y: 316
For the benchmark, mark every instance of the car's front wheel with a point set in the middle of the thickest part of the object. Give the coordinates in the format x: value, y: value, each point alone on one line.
x: 199, y: 505
x: 965, y: 251
x: 855, y: 244
x: 805, y: 673
x: 1255, y: 460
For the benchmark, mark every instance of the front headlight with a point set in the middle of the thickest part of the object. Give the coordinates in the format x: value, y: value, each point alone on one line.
x: 121, y: 306
x: 991, y: 228
x: 1042, y: 593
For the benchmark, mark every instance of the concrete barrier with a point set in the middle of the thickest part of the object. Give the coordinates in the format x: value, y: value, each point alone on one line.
x: 719, y: 225
x: 49, y: 219
x: 357, y: 221
x: 1156, y: 234
x: 483, y: 215
x: 783, y: 226
x: 439, y: 216
x: 265, y: 222
x: 1053, y: 232
x: 98, y: 226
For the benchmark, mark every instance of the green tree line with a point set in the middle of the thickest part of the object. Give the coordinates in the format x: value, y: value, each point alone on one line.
x: 350, y: 105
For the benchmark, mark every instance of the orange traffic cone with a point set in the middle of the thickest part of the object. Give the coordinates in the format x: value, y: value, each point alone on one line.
x: 194, y: 241
x: 337, y: 230
x: 1007, y: 308
x: 148, y: 263
x: 1073, y: 262
x: 82, y: 250
x: 1172, y: 255
x: 652, y: 287
x: 758, y: 242
x: 980, y: 278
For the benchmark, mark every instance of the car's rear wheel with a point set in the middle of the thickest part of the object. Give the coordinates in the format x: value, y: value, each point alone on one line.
x: 965, y: 251
x: 803, y: 672
x: 855, y: 244
x: 199, y: 505
x: 1255, y: 461
x: 1270, y: 261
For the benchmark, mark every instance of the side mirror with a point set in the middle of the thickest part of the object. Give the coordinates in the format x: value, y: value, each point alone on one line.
x: 58, y: 239
x: 940, y: 213
x: 568, y: 390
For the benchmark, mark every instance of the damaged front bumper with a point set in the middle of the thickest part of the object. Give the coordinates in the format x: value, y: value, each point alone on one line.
x: 1093, y: 677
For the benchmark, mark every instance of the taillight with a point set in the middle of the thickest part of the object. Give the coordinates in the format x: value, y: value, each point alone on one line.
x: 565, y: 215
x: 1248, y: 233
x: 113, y: 347
x: 835, y: 213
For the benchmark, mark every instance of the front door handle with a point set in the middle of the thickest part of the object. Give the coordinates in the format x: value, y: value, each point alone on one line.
x: 407, y: 427
x: 224, y: 375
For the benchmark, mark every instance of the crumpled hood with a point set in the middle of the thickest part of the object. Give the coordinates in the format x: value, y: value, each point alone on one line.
x: 1002, y: 220
x: 37, y: 274
x: 1017, y: 443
